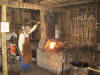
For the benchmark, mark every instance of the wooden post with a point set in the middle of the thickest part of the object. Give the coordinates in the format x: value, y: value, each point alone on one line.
x: 4, y: 51
x: 40, y: 52
x: 43, y: 29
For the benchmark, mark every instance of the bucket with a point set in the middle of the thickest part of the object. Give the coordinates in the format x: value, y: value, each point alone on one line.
x: 79, y: 68
x: 13, y: 48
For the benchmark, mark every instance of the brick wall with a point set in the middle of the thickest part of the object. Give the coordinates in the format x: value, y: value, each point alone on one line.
x: 48, y: 61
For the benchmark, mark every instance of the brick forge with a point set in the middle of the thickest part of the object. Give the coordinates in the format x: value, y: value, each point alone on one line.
x: 51, y: 62
x: 51, y: 59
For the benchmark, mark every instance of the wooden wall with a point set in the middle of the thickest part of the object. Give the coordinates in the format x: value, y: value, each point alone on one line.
x: 81, y: 28
x: 22, y: 17
x: 81, y: 32
x: 77, y: 30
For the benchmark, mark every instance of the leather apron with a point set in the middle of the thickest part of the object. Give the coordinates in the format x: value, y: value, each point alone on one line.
x: 27, y: 52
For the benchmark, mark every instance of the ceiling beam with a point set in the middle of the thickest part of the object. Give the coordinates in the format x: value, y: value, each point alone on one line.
x: 19, y: 4
x: 43, y: 4
x: 59, y: 3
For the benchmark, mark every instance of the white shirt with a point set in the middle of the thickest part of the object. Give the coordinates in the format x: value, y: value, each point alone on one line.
x: 22, y: 37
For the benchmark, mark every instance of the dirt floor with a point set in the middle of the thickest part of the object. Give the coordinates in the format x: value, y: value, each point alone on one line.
x: 14, y: 69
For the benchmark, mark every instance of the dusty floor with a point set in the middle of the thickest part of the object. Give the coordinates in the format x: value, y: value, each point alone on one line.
x: 14, y: 69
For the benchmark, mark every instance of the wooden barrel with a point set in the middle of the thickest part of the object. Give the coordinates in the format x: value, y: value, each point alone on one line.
x: 79, y: 68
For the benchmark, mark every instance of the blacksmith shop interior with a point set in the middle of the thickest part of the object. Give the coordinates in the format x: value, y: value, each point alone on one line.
x: 49, y: 37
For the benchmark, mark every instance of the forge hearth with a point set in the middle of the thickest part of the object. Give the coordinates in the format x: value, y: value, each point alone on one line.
x: 53, y: 46
x: 50, y: 58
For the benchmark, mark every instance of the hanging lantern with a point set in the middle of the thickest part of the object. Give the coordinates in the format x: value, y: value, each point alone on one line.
x: 53, y: 46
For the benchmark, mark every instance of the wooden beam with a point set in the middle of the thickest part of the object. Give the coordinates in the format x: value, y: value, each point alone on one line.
x: 60, y: 3
x: 4, y: 51
x: 43, y: 29
x: 19, y: 4
x: 73, y: 3
x: 96, y: 70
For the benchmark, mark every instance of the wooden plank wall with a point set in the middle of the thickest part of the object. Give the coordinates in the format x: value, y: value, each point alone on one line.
x: 21, y: 17
x: 82, y: 25
x: 98, y: 24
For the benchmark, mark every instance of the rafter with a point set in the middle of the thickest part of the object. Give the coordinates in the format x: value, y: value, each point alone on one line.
x: 60, y: 3
x: 44, y: 3
x: 18, y: 4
